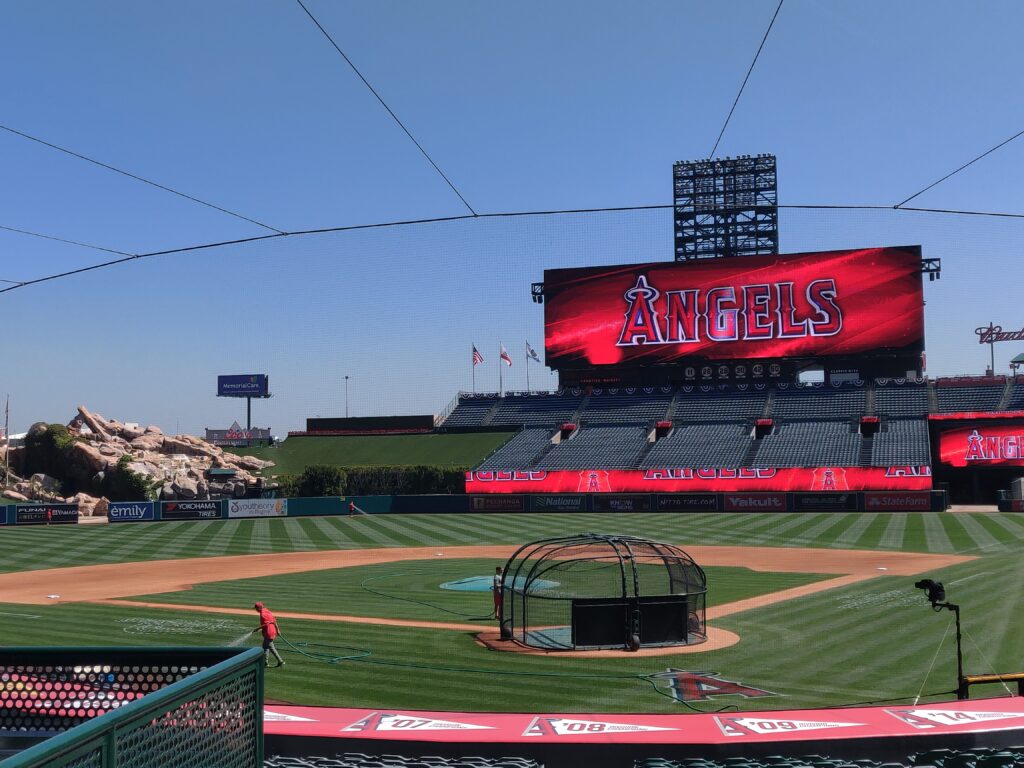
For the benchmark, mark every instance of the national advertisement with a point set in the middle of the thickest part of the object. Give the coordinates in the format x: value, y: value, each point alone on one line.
x: 713, y: 480
x: 131, y: 511
x: 559, y: 503
x: 190, y: 510
x: 257, y: 507
x: 835, y: 303
x: 45, y: 514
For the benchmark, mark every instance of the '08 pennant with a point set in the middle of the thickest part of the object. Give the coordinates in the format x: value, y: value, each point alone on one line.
x: 759, y: 726
x: 560, y: 726
x: 924, y: 719
x: 389, y: 721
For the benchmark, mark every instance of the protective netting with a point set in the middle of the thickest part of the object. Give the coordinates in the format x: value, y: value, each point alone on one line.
x: 195, y: 708
x: 601, y: 591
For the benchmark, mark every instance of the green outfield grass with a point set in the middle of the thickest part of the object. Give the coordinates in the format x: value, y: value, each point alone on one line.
x: 412, y: 590
x: 450, y: 450
x: 872, y: 641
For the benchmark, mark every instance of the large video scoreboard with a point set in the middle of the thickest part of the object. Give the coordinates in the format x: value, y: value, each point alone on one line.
x: 848, y: 305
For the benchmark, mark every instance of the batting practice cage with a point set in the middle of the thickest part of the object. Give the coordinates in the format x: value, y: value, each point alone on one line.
x: 596, y: 591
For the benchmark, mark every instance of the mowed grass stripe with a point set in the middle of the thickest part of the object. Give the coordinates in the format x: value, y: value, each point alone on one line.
x: 301, y: 536
x: 1010, y: 529
x: 855, y: 531
x: 423, y: 535
x: 895, y: 528
x: 936, y: 538
x: 983, y: 540
x: 825, y: 524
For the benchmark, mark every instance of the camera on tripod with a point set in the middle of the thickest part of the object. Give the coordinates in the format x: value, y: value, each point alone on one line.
x: 934, y: 589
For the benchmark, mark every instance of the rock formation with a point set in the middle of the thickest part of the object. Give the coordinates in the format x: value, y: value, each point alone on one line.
x: 179, y: 466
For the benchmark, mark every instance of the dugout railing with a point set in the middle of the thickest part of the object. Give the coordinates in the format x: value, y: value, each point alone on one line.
x: 138, y: 707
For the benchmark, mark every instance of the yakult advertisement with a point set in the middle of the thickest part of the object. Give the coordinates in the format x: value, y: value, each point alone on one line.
x: 833, y: 303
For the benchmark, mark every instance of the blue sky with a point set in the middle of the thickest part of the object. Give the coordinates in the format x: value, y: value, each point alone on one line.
x: 525, y: 106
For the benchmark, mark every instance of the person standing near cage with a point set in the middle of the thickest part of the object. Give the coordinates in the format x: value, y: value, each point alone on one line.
x: 268, y: 626
x: 497, y: 593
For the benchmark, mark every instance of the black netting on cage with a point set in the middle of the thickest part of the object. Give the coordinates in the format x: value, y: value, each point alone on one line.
x: 598, y: 591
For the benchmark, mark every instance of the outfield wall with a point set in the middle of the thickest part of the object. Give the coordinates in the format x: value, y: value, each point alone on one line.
x: 231, y: 509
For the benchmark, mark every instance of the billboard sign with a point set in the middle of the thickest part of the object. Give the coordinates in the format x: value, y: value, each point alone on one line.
x: 257, y: 507
x: 244, y: 385
x: 983, y: 445
x: 687, y: 502
x: 190, y: 510
x: 45, y: 514
x: 711, y: 480
x: 805, y: 305
x: 131, y: 511
x: 906, y: 501
x: 559, y: 503
x: 235, y: 435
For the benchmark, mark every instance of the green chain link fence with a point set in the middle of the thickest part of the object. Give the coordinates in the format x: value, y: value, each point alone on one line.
x: 138, y: 707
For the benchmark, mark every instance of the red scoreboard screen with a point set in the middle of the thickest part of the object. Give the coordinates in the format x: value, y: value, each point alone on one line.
x: 802, y: 305
x: 983, y: 445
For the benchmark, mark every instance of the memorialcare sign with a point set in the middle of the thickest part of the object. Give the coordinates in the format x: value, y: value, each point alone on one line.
x: 45, y: 514
x: 800, y: 305
x: 131, y: 511
x: 983, y: 445
x: 714, y: 480
x: 190, y: 510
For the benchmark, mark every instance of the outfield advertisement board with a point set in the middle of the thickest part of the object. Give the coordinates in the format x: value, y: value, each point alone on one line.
x: 901, y: 501
x: 720, y: 480
x: 244, y: 385
x: 983, y: 445
x: 190, y: 510
x: 823, y: 502
x: 257, y: 507
x: 497, y: 504
x: 686, y: 502
x: 131, y: 511
x: 614, y: 503
x: 45, y: 514
x: 559, y: 503
x: 805, y: 305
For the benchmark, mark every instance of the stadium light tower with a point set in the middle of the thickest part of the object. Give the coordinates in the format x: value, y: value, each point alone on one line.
x: 726, y: 207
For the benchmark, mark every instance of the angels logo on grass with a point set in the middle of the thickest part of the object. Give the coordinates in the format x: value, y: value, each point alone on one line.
x: 924, y: 719
x: 389, y: 721
x: 277, y: 717
x: 560, y: 726
x: 760, y: 726
x: 700, y: 686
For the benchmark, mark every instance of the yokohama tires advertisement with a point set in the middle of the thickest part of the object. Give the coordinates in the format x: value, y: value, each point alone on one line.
x: 801, y: 305
x: 911, y: 478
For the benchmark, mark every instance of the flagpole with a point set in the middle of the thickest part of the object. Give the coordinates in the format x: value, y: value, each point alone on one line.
x: 7, y: 441
x: 527, y: 371
x: 472, y: 364
x: 501, y: 387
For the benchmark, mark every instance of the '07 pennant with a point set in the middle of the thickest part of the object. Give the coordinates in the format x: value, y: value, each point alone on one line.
x: 389, y: 721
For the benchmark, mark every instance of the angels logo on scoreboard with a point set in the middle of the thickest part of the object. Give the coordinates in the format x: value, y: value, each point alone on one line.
x: 925, y: 719
x: 560, y: 726
x: 769, y: 726
x: 390, y: 721
x: 701, y: 686
x: 594, y: 481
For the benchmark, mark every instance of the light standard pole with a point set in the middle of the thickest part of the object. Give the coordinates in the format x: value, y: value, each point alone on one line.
x: 346, y: 397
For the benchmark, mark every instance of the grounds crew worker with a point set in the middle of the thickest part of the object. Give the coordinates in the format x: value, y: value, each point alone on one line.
x: 268, y: 626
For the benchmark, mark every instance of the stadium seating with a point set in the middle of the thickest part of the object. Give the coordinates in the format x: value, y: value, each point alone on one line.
x: 976, y: 398
x: 976, y: 757
x: 598, y: 447
x: 901, y: 400
x: 701, y: 445
x: 692, y: 407
x: 625, y: 409
x: 520, y: 451
x: 819, y: 403
x: 810, y: 444
x: 360, y: 760
x: 549, y: 410
x: 899, y: 442
x: 470, y: 412
x: 1017, y: 397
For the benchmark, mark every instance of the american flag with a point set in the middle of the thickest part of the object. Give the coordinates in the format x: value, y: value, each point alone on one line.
x: 504, y: 356
x: 477, y: 357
